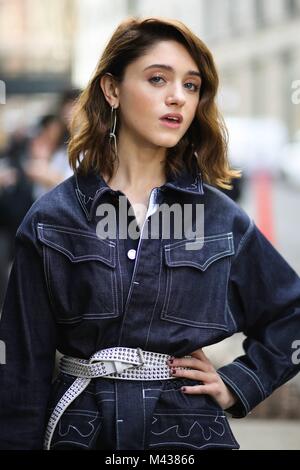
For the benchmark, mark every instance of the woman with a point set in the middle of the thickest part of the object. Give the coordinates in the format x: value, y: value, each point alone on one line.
x: 131, y: 312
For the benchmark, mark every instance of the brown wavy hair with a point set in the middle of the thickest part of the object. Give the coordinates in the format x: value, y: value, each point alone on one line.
x: 89, y: 148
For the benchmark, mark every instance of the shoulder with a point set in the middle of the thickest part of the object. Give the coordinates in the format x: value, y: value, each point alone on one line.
x: 226, y: 211
x: 51, y: 207
x: 212, y: 193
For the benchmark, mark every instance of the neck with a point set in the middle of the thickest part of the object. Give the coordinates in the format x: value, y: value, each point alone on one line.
x: 140, y: 166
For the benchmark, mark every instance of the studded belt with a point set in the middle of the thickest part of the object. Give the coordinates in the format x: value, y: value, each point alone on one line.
x: 112, y: 363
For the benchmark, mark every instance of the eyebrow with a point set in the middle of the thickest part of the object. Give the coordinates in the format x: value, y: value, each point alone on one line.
x: 170, y: 69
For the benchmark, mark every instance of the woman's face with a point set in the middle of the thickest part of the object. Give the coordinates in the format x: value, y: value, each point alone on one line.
x: 164, y: 81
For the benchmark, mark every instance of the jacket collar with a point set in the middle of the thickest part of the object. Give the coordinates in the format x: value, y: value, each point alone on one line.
x: 187, y: 181
x: 90, y: 188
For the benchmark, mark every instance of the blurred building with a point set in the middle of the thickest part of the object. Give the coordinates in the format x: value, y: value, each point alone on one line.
x: 36, y: 41
x: 46, y: 47
x: 256, y: 44
x: 36, y: 50
x: 95, y: 22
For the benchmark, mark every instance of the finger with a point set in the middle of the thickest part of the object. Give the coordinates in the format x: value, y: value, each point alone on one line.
x: 197, y: 390
x: 193, y: 375
x: 192, y: 362
x: 199, y: 353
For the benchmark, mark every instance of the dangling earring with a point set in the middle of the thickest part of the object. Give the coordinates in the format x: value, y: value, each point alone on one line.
x: 112, y: 133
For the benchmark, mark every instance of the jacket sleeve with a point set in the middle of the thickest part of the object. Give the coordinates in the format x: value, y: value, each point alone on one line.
x: 27, y: 330
x: 264, y: 297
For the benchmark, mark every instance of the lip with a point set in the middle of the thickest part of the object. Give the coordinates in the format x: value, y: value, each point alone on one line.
x: 171, y: 124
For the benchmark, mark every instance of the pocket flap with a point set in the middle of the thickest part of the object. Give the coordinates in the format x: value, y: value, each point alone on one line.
x: 199, y: 252
x: 77, y: 245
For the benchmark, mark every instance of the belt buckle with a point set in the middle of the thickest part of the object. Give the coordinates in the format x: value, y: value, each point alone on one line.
x: 141, y: 356
x: 121, y: 366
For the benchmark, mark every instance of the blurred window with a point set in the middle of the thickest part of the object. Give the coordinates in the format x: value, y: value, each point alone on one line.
x: 132, y: 6
x: 241, y: 16
x: 260, y: 13
x: 293, y: 7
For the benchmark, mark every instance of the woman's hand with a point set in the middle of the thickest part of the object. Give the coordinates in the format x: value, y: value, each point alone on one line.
x: 204, y: 371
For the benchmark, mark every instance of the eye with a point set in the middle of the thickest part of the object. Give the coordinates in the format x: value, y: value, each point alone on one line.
x: 193, y: 87
x: 156, y: 79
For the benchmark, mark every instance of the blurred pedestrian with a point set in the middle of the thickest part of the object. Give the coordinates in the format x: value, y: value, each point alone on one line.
x: 29, y: 167
x: 49, y: 164
x: 42, y: 166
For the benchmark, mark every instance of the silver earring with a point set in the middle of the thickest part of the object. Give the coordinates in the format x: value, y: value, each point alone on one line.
x: 113, y: 124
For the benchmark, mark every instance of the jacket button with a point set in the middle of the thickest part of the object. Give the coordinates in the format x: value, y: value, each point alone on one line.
x: 131, y: 254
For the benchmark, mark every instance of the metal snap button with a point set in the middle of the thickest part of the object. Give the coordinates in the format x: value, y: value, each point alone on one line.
x: 131, y: 254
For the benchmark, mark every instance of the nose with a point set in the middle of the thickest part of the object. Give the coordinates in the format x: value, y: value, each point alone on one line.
x: 175, y: 95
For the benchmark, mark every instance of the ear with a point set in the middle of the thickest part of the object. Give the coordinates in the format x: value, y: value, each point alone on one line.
x: 110, y: 89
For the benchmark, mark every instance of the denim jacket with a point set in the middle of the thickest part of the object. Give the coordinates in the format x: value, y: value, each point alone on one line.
x: 70, y: 291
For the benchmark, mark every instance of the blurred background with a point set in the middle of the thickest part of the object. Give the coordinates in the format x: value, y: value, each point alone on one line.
x: 48, y: 51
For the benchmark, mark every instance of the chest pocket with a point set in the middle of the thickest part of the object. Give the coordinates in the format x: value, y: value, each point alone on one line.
x: 80, y: 272
x: 196, y: 281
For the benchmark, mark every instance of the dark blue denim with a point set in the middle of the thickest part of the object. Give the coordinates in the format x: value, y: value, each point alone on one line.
x: 71, y: 291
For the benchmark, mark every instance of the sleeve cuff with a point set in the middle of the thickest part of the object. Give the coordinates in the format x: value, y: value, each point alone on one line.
x: 246, y: 386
